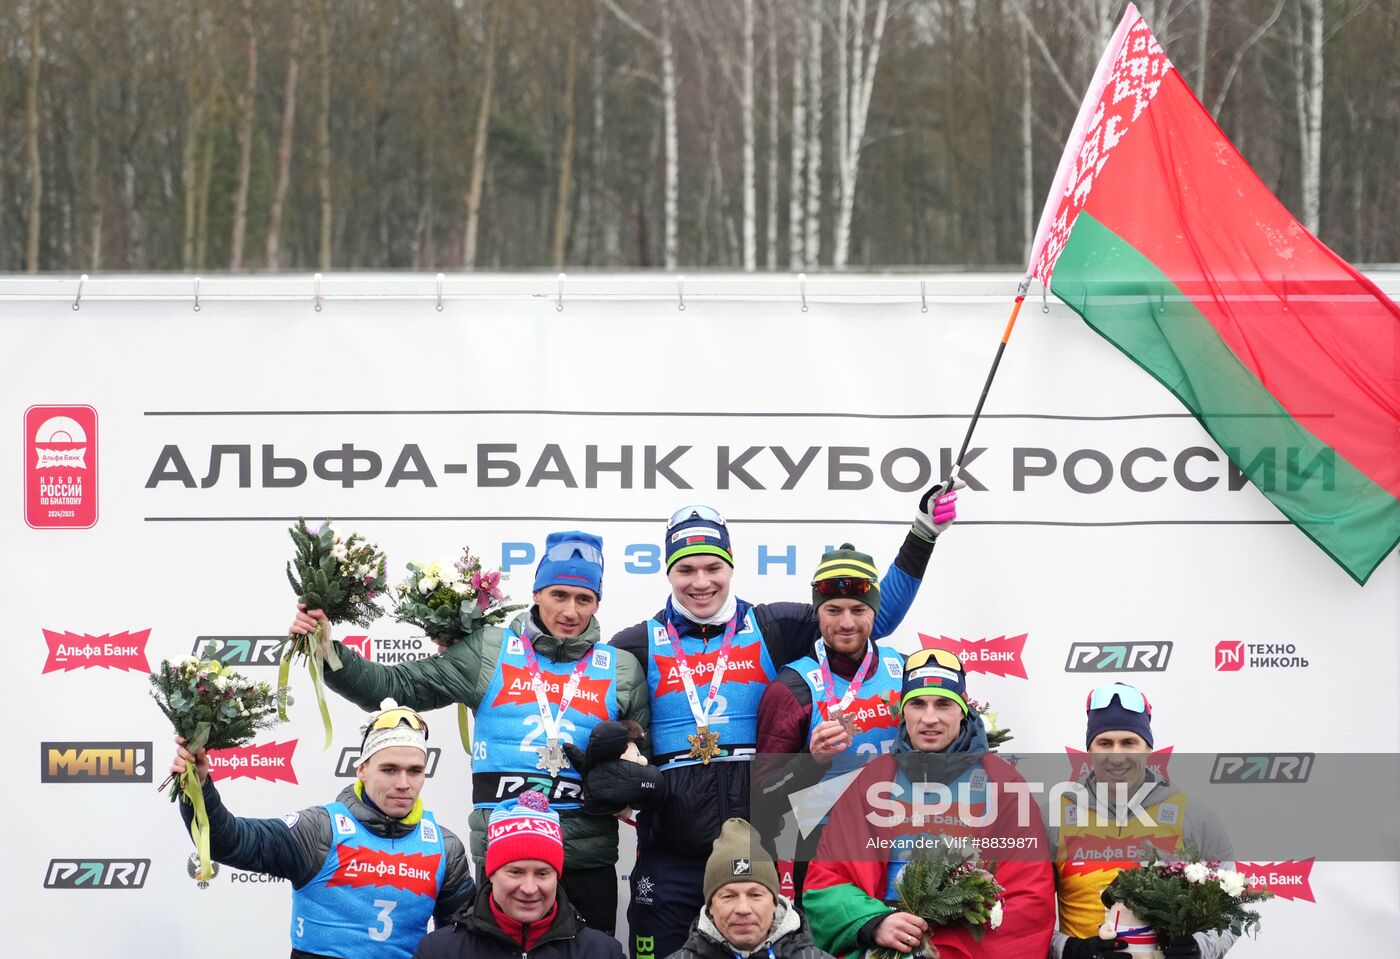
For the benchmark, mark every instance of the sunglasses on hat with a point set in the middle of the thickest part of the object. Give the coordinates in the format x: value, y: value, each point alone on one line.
x: 589, y: 553
x: 1130, y: 698
x: 940, y: 656
x: 687, y: 513
x: 843, y: 586
x: 398, y: 716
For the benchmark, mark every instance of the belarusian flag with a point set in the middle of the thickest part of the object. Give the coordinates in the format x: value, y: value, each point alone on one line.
x: 1163, y: 239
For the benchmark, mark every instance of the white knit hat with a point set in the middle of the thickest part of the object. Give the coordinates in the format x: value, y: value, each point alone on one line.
x: 402, y: 733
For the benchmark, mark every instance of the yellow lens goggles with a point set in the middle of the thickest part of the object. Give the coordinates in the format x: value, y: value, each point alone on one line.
x: 942, y: 657
x: 398, y: 716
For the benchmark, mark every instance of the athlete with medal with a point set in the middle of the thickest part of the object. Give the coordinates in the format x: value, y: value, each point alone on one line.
x: 543, y: 683
x: 828, y: 711
x: 708, y: 655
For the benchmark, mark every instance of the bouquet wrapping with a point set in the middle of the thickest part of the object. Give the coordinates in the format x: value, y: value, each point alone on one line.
x: 211, y: 707
x: 342, y: 577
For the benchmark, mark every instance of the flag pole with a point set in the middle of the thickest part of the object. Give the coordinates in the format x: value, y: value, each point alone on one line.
x: 1021, y: 291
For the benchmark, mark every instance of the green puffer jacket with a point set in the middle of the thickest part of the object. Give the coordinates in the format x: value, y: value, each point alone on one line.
x: 461, y: 675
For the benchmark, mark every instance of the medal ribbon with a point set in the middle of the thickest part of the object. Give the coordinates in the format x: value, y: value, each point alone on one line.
x: 541, y: 688
x: 702, y: 713
x: 857, y: 681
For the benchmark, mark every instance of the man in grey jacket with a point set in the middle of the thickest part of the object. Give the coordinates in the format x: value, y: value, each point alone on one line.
x: 1091, y: 848
x: 744, y: 913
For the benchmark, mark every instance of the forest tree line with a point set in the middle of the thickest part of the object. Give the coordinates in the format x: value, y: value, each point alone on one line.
x: 252, y: 135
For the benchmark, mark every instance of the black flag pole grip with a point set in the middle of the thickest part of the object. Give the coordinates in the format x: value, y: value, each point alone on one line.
x: 938, y: 488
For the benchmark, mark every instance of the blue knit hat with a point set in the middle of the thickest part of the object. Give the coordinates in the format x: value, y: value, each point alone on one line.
x: 572, y: 558
x: 697, y: 531
x: 1108, y: 712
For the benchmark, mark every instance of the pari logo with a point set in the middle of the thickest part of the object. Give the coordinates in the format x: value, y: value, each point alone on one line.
x: 1262, y: 767
x: 269, y: 761
x: 91, y: 762
x: 390, y: 651
x: 1118, y: 657
x: 60, y: 467
x: 96, y: 873
x: 1000, y: 656
x: 349, y: 761
x: 1291, y: 879
x: 68, y: 651
x: 240, y: 650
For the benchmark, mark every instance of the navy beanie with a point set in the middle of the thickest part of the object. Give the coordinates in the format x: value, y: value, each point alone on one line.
x: 696, y: 535
x: 1113, y: 716
x: 571, y: 558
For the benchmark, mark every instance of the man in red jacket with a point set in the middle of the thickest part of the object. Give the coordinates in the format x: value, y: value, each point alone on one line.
x: 939, y: 786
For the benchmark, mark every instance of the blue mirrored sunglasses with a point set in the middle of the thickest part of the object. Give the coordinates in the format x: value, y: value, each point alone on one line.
x: 564, y: 551
x: 687, y: 513
x: 1131, y: 699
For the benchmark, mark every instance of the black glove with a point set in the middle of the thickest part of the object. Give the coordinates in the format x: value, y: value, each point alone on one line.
x: 616, y: 784
x: 610, y: 783
x: 1186, y: 948
x: 1095, y: 948
x: 607, y: 741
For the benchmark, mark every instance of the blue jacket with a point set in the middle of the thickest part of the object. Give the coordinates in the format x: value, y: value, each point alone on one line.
x: 295, y: 846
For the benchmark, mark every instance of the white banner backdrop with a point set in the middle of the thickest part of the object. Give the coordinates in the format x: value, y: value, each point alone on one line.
x: 1099, y: 513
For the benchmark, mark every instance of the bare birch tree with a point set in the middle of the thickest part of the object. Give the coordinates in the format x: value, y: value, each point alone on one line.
x: 479, y: 140
x: 566, y: 150
x: 247, y: 107
x: 814, y: 134
x: 1027, y: 144
x: 750, y: 173
x: 284, y: 141
x: 771, y: 221
x: 1307, y: 88
x: 323, y: 133
x: 797, y: 230
x: 31, y: 139
x: 665, y: 48
x: 857, y: 62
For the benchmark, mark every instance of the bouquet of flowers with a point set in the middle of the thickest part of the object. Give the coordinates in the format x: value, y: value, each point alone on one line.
x: 449, y: 599
x: 996, y: 735
x: 947, y: 885
x: 341, y: 576
x: 211, y: 707
x: 1180, y: 897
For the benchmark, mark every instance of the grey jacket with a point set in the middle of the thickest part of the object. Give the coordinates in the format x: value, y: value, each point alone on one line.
x: 789, y: 938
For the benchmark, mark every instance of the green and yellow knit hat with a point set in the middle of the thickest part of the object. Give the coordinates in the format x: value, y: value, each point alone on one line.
x: 846, y: 573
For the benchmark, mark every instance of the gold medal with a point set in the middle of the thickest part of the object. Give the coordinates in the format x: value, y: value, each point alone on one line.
x: 704, y: 745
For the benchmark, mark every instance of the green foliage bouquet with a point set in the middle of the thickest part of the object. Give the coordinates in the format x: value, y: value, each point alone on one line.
x: 211, y: 707
x: 947, y: 885
x: 340, y: 575
x: 1181, y: 897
